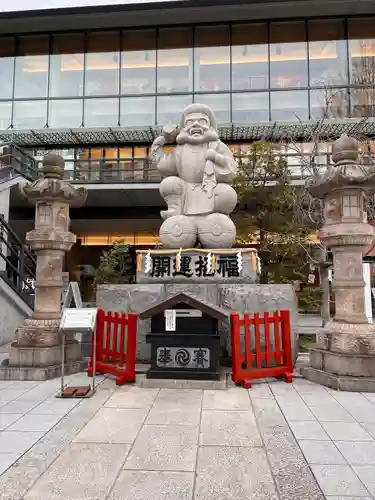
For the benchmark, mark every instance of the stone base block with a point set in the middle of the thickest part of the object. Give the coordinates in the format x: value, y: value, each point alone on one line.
x: 42, y: 356
x: 337, y: 382
x: 41, y: 363
x: 230, y: 297
x: 343, y: 364
x: 151, y: 383
x: 39, y: 332
x: 341, y: 371
x: 38, y: 373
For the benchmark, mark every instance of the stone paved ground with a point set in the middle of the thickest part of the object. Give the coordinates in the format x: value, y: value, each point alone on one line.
x: 273, y: 442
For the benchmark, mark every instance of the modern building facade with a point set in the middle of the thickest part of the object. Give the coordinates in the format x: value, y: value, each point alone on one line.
x: 96, y: 83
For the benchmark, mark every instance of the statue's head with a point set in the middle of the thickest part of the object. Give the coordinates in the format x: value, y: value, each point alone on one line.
x: 198, y: 125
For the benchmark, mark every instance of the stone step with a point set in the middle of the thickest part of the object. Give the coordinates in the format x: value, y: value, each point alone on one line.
x: 148, y: 383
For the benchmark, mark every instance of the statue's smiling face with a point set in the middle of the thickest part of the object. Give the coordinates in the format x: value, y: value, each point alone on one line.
x: 197, y: 124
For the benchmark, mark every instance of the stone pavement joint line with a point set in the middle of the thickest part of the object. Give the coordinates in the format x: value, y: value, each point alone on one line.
x: 276, y: 441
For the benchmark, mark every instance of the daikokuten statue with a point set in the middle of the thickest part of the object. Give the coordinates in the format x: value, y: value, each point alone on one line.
x: 197, y: 175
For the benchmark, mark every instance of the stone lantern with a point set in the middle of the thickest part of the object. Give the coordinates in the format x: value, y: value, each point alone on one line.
x: 344, y: 357
x: 36, y: 352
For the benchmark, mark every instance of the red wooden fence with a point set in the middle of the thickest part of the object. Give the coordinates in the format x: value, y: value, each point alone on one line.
x: 115, y: 346
x: 270, y: 354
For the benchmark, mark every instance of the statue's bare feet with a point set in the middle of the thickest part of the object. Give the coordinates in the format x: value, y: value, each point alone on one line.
x: 171, y: 212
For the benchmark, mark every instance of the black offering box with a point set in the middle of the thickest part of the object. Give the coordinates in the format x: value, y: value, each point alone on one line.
x: 184, y: 338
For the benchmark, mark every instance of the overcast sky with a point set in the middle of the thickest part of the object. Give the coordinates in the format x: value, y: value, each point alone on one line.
x: 15, y: 5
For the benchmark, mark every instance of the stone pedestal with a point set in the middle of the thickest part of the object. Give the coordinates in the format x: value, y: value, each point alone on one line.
x: 35, y: 354
x: 344, y: 357
x: 41, y: 363
x: 230, y: 297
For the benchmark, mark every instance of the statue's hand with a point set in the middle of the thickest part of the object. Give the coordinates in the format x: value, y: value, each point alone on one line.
x: 210, y: 155
x: 159, y: 141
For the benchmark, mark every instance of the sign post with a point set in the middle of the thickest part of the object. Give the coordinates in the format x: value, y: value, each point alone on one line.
x: 79, y: 321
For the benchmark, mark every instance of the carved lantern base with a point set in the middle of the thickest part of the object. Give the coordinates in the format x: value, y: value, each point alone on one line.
x: 41, y: 362
x: 338, y: 371
x: 36, y: 353
x: 344, y: 357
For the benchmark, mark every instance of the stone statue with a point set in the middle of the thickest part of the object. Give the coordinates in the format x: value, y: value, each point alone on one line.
x: 197, y: 175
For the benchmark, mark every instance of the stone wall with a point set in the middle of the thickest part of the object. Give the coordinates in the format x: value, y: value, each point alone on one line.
x: 239, y: 298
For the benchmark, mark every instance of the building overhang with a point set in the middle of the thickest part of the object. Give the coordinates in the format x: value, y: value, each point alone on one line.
x: 271, y: 131
x: 174, y: 13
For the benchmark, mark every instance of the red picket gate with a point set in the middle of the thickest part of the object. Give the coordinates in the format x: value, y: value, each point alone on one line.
x: 115, y: 346
x: 264, y: 359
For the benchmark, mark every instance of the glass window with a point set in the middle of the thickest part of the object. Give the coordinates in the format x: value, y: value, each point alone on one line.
x: 140, y: 152
x: 350, y: 206
x: 66, y: 66
x: 5, y: 115
x: 362, y: 51
x: 329, y: 103
x: 362, y: 102
x: 212, y: 58
x: 101, y: 112
x: 219, y: 103
x: 31, y: 77
x: 327, y: 53
x: 250, y: 107
x: 169, y: 108
x: 109, y: 153
x: 138, y: 62
x: 137, y: 111
x: 175, y: 56
x: 141, y: 163
x: 29, y: 114
x: 291, y: 105
x: 6, y: 67
x: 103, y: 64
x: 288, y: 55
x: 249, y: 56
x: 65, y: 113
x: 126, y: 153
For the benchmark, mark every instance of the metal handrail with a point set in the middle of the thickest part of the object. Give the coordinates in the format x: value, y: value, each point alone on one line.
x: 15, y: 161
x: 20, y: 264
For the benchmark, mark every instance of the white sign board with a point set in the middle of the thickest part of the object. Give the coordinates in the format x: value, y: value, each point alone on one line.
x: 78, y: 320
x: 170, y: 320
x: 22, y: 5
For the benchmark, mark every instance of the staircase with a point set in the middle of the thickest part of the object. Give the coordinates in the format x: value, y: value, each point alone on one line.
x: 17, y: 278
x: 17, y: 264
